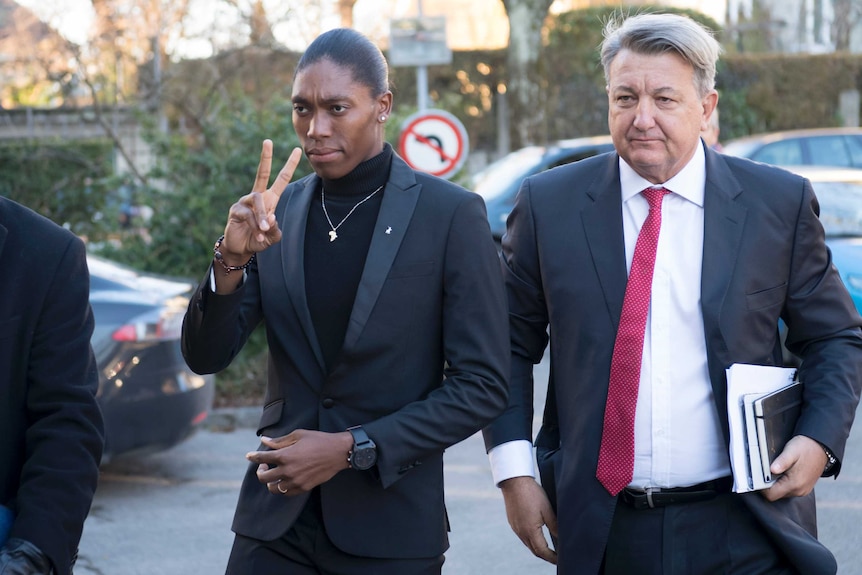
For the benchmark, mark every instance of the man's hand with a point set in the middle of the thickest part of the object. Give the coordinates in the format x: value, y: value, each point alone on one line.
x: 19, y: 557
x: 301, y: 460
x: 802, y: 462
x: 528, y: 509
x: 251, y: 225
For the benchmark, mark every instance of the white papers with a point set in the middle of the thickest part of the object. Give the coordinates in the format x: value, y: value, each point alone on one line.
x: 754, y: 381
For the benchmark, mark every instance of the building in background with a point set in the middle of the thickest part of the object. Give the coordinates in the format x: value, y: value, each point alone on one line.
x: 797, y: 26
x: 483, y: 24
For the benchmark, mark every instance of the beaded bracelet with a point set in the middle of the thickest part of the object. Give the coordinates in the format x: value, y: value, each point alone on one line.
x: 220, y: 259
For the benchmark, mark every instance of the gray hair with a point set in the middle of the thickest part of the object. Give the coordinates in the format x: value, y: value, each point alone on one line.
x: 654, y: 34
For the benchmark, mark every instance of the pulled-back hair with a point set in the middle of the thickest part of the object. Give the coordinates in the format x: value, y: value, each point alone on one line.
x: 352, y: 50
x: 654, y: 34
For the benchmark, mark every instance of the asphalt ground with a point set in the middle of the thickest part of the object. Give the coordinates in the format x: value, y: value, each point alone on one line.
x: 170, y: 513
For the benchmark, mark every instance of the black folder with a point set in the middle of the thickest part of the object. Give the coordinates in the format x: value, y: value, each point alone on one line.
x: 775, y: 415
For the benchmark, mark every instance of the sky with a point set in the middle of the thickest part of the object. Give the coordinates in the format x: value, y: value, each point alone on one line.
x: 73, y: 18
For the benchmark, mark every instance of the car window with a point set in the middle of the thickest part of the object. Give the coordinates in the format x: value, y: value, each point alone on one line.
x: 840, y: 207
x: 741, y: 148
x: 498, y: 177
x: 854, y: 145
x: 828, y: 151
x: 781, y: 153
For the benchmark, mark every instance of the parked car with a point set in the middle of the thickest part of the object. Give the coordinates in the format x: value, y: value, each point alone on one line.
x: 821, y: 147
x: 499, y: 183
x: 839, y: 193
x: 150, y: 399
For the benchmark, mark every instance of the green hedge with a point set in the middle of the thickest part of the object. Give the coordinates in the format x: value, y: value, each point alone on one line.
x: 68, y: 182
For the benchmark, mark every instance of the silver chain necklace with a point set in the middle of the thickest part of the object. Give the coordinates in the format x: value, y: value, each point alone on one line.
x: 333, y: 234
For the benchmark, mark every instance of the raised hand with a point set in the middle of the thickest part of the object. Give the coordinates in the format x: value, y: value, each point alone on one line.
x: 251, y: 225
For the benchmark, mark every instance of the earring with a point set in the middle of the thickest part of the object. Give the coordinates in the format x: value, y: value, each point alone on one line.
x: 383, y: 118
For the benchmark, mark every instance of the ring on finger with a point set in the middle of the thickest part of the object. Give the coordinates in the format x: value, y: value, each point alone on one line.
x: 278, y: 486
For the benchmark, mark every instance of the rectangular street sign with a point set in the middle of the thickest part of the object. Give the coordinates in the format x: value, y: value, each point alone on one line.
x: 418, y: 41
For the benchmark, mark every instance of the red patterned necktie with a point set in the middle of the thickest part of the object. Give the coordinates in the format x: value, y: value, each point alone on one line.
x: 617, y: 451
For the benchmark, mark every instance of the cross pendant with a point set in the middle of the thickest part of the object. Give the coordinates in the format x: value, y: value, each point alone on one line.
x: 332, y: 236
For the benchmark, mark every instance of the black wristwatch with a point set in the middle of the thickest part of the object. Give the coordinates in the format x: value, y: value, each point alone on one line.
x: 364, y: 453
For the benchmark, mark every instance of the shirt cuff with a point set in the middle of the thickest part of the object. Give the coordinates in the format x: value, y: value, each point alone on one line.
x: 213, y: 281
x: 511, y: 459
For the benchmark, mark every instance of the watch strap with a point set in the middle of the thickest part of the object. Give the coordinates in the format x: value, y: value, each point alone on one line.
x: 360, y: 438
x: 363, y: 448
x: 831, y: 460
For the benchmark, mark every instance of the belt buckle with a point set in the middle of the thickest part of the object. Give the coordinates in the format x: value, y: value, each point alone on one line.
x: 649, y: 491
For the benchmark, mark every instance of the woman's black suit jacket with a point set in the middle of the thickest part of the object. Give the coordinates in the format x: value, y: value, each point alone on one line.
x: 424, y: 362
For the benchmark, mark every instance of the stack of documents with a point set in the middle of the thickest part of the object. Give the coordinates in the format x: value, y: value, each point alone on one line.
x: 763, y: 404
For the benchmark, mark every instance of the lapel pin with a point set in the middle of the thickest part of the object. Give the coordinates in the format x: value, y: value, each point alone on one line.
x: 389, y: 230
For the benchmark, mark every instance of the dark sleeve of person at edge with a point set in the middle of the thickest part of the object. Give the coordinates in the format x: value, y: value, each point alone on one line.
x: 19, y: 557
x: 51, y: 428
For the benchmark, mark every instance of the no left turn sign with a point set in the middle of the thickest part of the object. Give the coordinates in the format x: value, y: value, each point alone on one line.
x: 434, y: 141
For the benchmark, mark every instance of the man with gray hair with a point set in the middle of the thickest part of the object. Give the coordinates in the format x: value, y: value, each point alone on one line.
x: 651, y: 270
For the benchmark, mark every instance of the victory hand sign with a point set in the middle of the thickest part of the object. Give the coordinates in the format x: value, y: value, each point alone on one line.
x: 251, y: 225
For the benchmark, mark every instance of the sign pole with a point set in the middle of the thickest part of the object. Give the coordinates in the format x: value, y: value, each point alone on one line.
x: 421, y: 42
x: 421, y: 74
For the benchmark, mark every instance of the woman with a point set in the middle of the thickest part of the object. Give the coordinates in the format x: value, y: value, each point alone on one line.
x: 386, y: 322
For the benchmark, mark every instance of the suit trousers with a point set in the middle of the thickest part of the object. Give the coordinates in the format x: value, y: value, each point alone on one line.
x: 717, y: 536
x: 306, y: 550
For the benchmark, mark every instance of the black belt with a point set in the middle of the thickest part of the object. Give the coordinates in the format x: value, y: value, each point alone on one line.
x: 652, y: 497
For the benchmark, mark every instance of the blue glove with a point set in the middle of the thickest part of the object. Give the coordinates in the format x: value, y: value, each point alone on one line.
x: 7, y: 518
x: 19, y: 557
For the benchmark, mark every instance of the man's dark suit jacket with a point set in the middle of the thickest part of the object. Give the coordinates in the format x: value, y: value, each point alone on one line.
x: 431, y: 294
x: 764, y: 258
x: 51, y: 432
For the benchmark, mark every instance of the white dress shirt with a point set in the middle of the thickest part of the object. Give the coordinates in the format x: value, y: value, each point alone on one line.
x: 678, y: 440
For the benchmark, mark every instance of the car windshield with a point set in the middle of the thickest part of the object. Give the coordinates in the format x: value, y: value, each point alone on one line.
x: 498, y: 177
x: 840, y: 207
x: 741, y: 148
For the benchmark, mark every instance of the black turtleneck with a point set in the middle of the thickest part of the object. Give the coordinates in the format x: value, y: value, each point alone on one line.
x: 333, y: 268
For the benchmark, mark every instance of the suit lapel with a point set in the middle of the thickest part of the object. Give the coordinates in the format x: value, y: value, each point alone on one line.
x: 603, y: 227
x: 396, y: 210
x: 723, y: 224
x: 723, y: 227
x: 293, y: 219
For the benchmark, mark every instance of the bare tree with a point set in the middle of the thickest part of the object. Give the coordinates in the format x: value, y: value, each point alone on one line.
x: 131, y: 61
x: 35, y: 69
x: 848, y: 14
x: 345, y: 12
x: 526, y: 20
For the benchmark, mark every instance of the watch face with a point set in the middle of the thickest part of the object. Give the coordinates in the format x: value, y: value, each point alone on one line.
x: 364, y: 458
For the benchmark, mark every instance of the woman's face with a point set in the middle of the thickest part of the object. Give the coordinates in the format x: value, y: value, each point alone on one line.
x: 337, y: 120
